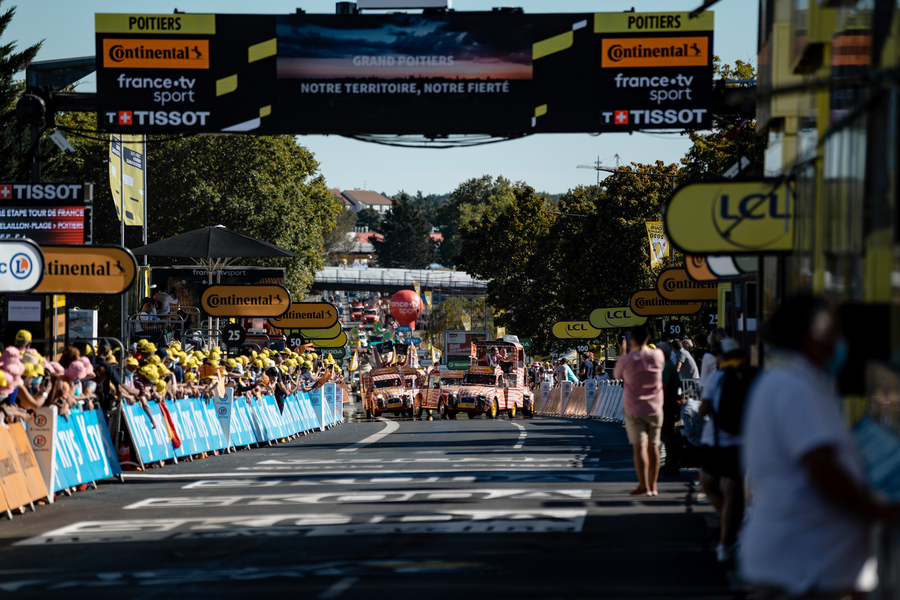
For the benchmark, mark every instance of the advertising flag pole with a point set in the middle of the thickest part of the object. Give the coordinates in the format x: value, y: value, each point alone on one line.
x: 122, y: 230
x: 146, y: 197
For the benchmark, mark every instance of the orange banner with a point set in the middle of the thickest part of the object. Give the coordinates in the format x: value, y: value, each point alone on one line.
x: 155, y: 54
x: 655, y: 52
x: 34, y: 479
x: 12, y: 478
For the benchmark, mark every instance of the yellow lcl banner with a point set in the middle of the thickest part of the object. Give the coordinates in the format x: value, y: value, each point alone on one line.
x: 659, y: 244
x: 126, y: 176
x: 736, y: 217
x: 574, y: 330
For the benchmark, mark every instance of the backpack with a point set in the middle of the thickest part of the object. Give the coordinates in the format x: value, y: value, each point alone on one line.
x: 735, y: 383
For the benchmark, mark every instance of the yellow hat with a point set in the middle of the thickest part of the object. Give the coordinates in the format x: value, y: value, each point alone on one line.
x: 2, y: 379
x: 39, y: 369
x: 23, y: 336
x: 283, y: 368
x: 154, y: 360
x: 258, y: 364
x: 162, y: 370
x: 29, y: 370
x: 132, y: 362
x: 160, y: 386
x: 150, y: 372
x: 254, y: 353
x: 189, y: 377
x: 231, y: 363
x: 148, y: 347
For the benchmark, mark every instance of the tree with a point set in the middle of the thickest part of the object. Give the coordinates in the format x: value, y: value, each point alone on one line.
x: 712, y: 154
x: 15, y: 140
x: 448, y: 315
x: 265, y: 186
x: 545, y: 268
x: 342, y: 239
x: 468, y: 203
x: 405, y: 237
x: 368, y: 217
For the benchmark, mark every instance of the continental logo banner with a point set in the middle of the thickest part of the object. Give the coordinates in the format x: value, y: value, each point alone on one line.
x: 615, y: 317
x: 155, y: 54
x: 87, y: 270
x: 697, y: 269
x: 648, y: 303
x: 265, y: 300
x: 676, y: 284
x: 655, y: 52
x: 307, y: 315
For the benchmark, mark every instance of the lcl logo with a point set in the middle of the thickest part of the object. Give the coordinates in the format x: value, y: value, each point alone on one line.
x: 576, y: 327
x: 753, y: 207
x: 617, y: 314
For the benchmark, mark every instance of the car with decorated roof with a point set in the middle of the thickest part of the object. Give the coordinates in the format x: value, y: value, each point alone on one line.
x: 442, y: 392
x: 385, y: 390
x: 496, y: 381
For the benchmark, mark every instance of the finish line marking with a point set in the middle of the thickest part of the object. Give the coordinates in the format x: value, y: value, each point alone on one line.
x: 389, y: 428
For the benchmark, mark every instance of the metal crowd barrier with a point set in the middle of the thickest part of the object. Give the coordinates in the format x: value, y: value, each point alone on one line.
x: 690, y: 389
x: 587, y: 399
x: 159, y: 329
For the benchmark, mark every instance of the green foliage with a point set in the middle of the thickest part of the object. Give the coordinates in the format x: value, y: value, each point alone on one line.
x: 368, y: 217
x: 15, y: 138
x: 712, y: 154
x: 546, y: 268
x: 448, y: 316
x: 469, y: 203
x: 405, y: 236
x: 341, y: 239
x: 265, y: 186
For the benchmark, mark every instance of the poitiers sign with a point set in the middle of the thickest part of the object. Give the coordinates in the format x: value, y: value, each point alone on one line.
x: 265, y: 300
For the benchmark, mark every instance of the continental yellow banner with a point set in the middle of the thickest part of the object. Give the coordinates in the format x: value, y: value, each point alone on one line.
x: 659, y: 244
x: 126, y: 176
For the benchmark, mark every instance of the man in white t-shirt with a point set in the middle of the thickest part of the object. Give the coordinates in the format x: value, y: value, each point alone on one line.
x: 808, y: 532
x: 165, y: 300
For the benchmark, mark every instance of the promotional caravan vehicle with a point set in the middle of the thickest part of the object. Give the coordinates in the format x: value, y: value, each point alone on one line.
x: 490, y: 389
x: 384, y: 391
x: 442, y: 392
x: 412, y: 382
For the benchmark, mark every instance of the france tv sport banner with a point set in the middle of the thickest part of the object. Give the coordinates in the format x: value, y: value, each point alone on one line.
x: 454, y: 73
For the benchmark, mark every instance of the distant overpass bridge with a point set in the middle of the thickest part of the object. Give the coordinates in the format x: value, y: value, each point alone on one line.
x: 392, y: 280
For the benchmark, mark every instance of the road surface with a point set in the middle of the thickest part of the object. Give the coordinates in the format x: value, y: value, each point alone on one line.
x: 384, y: 509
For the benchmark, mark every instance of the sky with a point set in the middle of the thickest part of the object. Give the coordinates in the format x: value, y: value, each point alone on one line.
x: 547, y: 162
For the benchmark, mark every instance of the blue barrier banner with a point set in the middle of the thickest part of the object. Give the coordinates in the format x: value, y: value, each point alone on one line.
x: 216, y: 435
x: 241, y: 430
x: 84, y: 450
x: 251, y: 419
x: 328, y: 401
x: 293, y: 408
x: 152, y: 444
x: 318, y: 408
x: 312, y: 419
x: 263, y: 432
x: 184, y: 422
x: 281, y: 424
x: 198, y: 419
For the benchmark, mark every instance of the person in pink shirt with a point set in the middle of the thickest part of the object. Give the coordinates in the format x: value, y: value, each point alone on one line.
x: 640, y: 368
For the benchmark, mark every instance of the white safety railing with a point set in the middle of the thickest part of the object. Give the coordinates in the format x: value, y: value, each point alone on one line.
x: 603, y: 401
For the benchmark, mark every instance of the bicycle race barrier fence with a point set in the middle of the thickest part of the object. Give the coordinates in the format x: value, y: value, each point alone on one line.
x: 588, y: 399
x: 53, y: 454
x: 226, y: 423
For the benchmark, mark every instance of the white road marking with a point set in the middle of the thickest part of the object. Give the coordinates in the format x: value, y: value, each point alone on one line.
x: 338, y: 588
x: 522, y: 435
x: 314, y: 525
x: 270, y: 483
x: 332, y: 498
x: 389, y: 428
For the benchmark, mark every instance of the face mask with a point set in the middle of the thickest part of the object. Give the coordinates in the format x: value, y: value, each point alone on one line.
x: 839, y: 358
x: 37, y: 380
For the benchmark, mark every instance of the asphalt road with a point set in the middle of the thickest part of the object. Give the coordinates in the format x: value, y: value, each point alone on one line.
x: 385, y: 509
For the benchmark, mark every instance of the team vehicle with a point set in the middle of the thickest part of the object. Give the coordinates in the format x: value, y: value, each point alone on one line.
x: 356, y: 313
x: 370, y: 316
x: 442, y: 392
x: 384, y: 390
x: 496, y: 381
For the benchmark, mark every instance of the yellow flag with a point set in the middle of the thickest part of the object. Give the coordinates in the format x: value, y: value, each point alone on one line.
x: 435, y: 355
x: 467, y: 322
x: 428, y: 299
x: 126, y: 175
x: 501, y: 331
x: 354, y: 362
x: 418, y: 287
x: 659, y: 244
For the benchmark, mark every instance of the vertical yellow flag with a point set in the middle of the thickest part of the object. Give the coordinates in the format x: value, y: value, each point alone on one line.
x: 418, y: 287
x: 659, y: 244
x: 428, y: 299
x: 467, y: 322
x: 354, y: 362
x: 501, y: 331
x: 126, y: 175
x: 435, y: 355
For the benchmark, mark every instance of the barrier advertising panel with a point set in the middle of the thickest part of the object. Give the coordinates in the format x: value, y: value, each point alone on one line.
x: 150, y: 437
x: 468, y: 73
x: 84, y: 450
